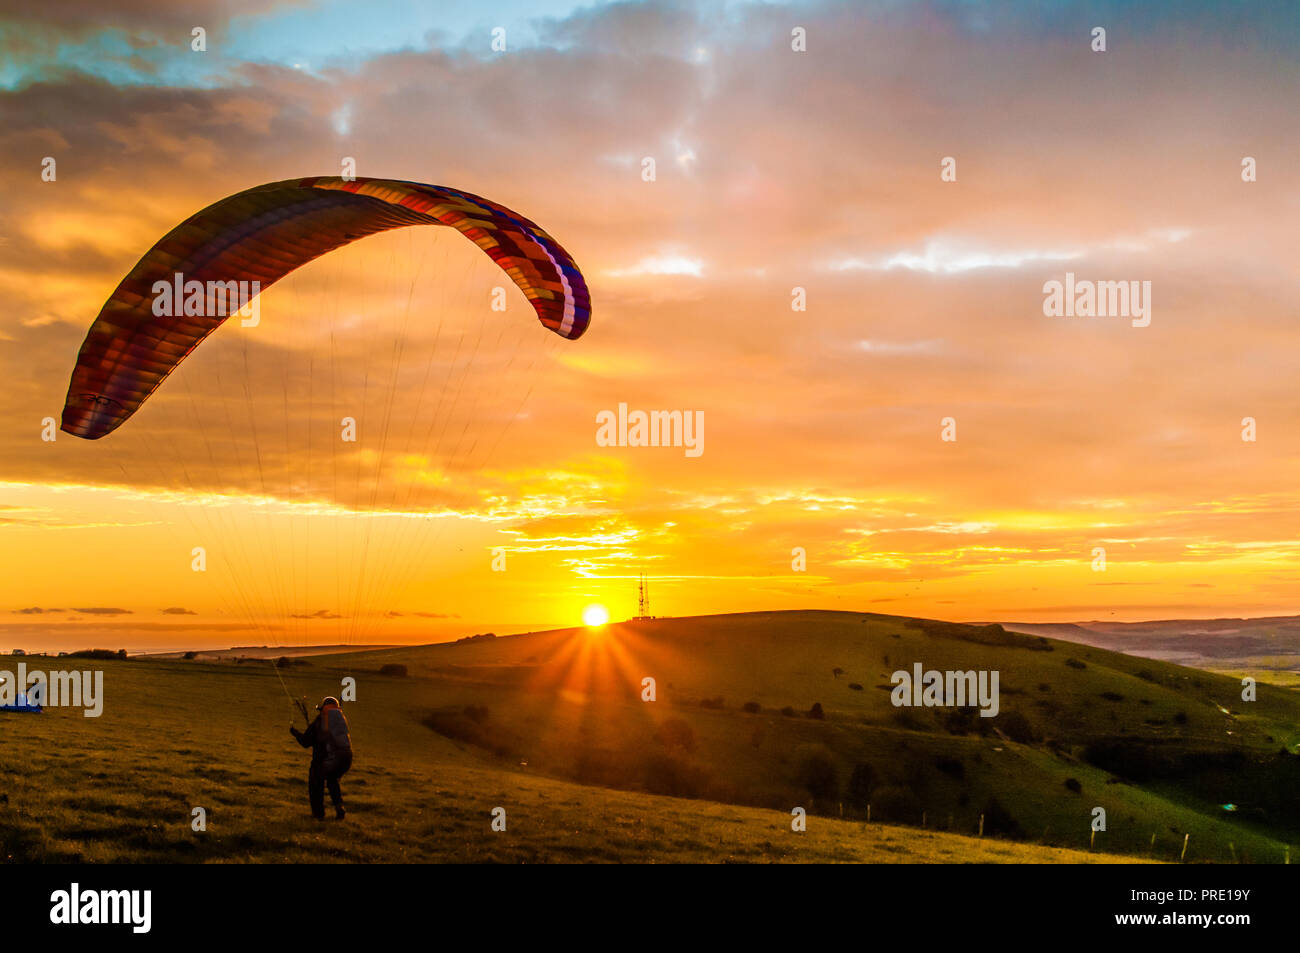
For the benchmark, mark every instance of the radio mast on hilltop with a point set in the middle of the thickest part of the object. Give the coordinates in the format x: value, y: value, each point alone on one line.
x: 642, y: 601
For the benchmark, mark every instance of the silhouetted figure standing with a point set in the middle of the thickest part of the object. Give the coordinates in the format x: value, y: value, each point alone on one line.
x: 331, y: 756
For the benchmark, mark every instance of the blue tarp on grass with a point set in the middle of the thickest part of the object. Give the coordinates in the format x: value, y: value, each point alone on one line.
x: 22, y: 705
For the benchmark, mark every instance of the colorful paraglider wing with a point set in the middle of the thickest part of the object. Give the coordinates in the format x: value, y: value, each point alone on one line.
x: 258, y: 237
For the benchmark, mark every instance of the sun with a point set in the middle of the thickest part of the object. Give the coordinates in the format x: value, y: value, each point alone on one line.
x: 595, y: 616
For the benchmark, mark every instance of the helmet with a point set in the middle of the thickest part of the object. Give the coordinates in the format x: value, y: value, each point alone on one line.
x: 328, y: 700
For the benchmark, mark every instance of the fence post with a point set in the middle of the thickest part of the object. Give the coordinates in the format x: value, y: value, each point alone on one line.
x: 981, y: 825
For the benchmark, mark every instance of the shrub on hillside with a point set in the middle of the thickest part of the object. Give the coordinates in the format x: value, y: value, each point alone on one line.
x: 992, y: 634
x: 93, y: 653
x: 951, y: 767
x: 1075, y: 663
x: 892, y: 803
x: 712, y: 702
x: 862, y: 781
x: 788, y: 711
x: 676, y: 734
x: 1017, y: 727
x: 674, y: 776
x: 1140, y: 761
x: 963, y: 720
x: 752, y: 708
x: 392, y: 668
x: 816, y: 712
x: 1133, y: 762
x: 855, y: 686
x: 998, y: 820
x: 817, y: 775
x: 908, y: 719
x: 600, y: 766
x: 460, y: 727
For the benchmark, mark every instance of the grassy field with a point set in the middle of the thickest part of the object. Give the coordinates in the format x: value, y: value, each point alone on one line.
x: 552, y: 727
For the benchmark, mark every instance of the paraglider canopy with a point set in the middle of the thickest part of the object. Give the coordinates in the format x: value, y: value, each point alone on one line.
x: 248, y: 241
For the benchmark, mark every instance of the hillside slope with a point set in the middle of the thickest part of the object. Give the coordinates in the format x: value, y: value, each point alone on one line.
x: 1160, y: 748
x: 179, y: 735
x: 1265, y: 648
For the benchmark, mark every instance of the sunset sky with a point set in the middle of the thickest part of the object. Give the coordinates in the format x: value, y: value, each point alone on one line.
x: 775, y: 169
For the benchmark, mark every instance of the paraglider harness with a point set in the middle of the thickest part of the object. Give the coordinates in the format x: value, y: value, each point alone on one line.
x: 336, y: 741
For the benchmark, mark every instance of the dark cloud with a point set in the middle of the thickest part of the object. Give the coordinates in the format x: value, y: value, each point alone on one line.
x: 36, y: 34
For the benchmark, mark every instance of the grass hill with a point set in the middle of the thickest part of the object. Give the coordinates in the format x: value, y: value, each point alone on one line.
x: 552, y: 726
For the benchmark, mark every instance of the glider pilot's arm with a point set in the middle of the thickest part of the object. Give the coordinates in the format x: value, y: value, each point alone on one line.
x: 306, y: 738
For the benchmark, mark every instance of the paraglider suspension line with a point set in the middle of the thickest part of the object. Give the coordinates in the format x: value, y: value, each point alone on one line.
x: 298, y: 702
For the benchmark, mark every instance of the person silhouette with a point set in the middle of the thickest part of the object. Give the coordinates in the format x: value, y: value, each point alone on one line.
x: 331, y: 756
